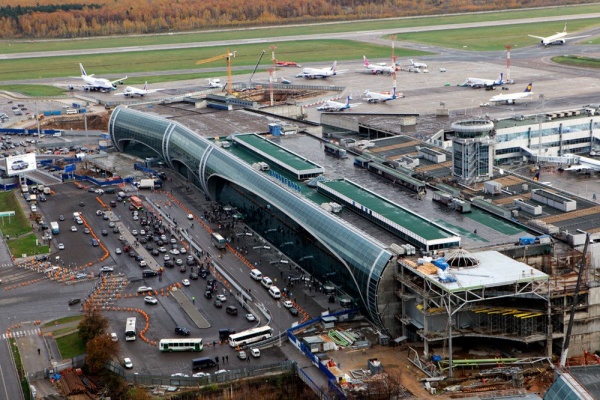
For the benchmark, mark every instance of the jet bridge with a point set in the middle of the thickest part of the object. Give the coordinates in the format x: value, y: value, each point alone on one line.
x: 533, y: 155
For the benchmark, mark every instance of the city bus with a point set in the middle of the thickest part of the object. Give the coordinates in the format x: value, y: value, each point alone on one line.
x: 185, y: 344
x: 250, y: 336
x: 130, y: 330
x: 136, y: 202
x: 218, y: 240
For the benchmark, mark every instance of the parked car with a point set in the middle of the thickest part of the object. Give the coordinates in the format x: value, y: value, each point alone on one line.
x: 150, y: 300
x: 142, y: 289
x: 127, y: 363
x: 106, y: 269
x: 250, y: 317
x: 74, y: 301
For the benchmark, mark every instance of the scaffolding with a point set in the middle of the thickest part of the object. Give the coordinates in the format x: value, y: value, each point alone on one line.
x: 465, y: 313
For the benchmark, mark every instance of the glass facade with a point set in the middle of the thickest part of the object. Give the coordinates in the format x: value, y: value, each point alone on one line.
x: 316, y: 240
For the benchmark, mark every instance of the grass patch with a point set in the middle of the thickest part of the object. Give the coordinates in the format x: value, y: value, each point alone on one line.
x: 22, y: 46
x: 19, y: 366
x: 70, y: 345
x: 27, y: 245
x: 64, y: 320
x: 34, y: 90
x: 185, y: 59
x: 59, y: 332
x: 578, y: 61
x: 19, y: 224
x: 493, y: 38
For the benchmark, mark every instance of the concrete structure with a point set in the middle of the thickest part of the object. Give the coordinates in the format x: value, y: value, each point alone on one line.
x: 472, y: 150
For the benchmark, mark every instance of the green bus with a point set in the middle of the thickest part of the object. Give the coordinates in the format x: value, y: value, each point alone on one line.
x: 185, y: 344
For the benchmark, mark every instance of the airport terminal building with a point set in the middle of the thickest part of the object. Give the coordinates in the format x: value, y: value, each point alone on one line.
x: 324, y: 245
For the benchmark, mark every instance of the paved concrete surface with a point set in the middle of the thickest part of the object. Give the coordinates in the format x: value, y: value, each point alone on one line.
x: 190, y: 309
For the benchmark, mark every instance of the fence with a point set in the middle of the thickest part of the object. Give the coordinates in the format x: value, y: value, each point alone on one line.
x: 161, y: 380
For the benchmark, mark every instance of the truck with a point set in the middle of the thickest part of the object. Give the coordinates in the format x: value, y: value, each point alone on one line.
x: 136, y: 202
x: 146, y: 184
x: 54, y: 227
x: 47, y: 190
x: 24, y: 189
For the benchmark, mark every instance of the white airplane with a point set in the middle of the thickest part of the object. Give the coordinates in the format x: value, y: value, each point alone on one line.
x: 314, y: 73
x: 558, y: 38
x: 382, y: 97
x: 377, y: 68
x: 336, y: 106
x: 480, y: 83
x: 510, y: 98
x: 131, y: 91
x: 215, y: 83
x: 585, y: 163
x: 417, y: 64
x: 100, y: 84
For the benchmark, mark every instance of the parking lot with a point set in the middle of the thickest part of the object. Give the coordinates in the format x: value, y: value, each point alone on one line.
x: 120, y: 228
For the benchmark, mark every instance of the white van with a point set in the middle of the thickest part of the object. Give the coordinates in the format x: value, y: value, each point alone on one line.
x: 71, y: 111
x: 256, y: 274
x: 275, y: 292
x: 266, y: 282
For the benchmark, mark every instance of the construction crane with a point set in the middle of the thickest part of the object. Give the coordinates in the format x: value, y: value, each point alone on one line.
x: 228, y: 57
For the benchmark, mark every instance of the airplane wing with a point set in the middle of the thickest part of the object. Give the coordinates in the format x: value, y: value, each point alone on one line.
x: 118, y: 80
x: 121, y: 94
x: 537, y: 37
x: 154, y: 90
x: 575, y: 37
x: 580, y: 167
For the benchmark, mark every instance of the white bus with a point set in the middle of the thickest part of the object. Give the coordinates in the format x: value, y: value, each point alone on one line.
x: 250, y: 336
x: 185, y: 344
x: 130, y: 330
x: 218, y: 240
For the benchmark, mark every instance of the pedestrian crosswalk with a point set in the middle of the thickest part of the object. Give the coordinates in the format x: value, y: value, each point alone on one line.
x: 21, y: 333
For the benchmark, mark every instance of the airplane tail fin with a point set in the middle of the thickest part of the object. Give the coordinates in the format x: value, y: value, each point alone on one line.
x: 333, y: 67
x: 146, y: 85
x: 82, y: 69
x: 565, y: 28
x: 365, y: 61
x: 499, y: 81
x: 411, y: 62
x: 529, y: 88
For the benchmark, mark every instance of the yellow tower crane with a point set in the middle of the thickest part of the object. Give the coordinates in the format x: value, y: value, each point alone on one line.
x: 227, y: 56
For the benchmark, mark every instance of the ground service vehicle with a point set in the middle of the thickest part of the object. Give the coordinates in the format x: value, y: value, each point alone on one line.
x: 183, y: 344
x: 130, y: 329
x: 250, y: 336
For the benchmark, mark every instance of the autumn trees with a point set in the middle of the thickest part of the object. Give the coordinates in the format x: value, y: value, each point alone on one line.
x: 81, y: 18
x: 99, y: 346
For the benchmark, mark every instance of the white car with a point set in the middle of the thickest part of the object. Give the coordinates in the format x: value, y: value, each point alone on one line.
x: 163, y: 238
x: 127, y: 363
x: 114, y: 337
x: 143, y: 264
x: 174, y: 252
x: 162, y: 249
x: 186, y: 282
x: 135, y: 217
x: 166, y: 257
x: 73, y: 228
x: 221, y: 297
x: 288, y: 304
x: 150, y: 300
x: 106, y: 269
x: 255, y: 353
x: 242, y: 355
x: 190, y: 216
x: 182, y: 250
x: 118, y: 250
x: 134, y: 232
x: 200, y: 374
x: 173, y: 240
x: 61, y: 246
x: 142, y: 289
x: 99, y: 191
x: 250, y: 317
x: 221, y: 371
x: 180, y: 375
x: 142, y: 232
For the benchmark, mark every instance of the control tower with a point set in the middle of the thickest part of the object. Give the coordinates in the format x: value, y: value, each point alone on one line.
x: 472, y: 150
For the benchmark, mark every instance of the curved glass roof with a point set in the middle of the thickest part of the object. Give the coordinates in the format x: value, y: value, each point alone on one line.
x: 362, y: 255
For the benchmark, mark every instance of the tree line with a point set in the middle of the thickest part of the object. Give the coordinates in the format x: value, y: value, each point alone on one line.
x: 51, y: 19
